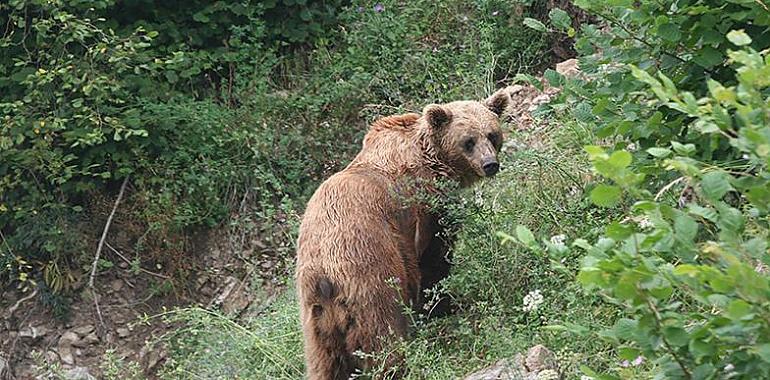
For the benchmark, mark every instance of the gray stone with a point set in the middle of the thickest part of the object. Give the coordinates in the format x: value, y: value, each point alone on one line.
x: 123, y: 332
x: 91, y: 338
x: 501, y: 370
x: 64, y: 347
x: 540, y: 358
x: 83, y: 330
x: 33, y: 332
x: 79, y: 373
x: 116, y: 284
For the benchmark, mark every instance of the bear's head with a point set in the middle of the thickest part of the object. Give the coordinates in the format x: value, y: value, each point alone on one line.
x: 466, y: 135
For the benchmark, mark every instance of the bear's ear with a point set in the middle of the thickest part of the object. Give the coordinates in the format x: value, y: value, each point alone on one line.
x: 437, y: 116
x: 498, y: 102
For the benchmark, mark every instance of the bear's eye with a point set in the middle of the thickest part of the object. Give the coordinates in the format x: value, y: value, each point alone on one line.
x: 469, y: 144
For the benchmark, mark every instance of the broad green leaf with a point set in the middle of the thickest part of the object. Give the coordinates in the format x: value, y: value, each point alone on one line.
x: 715, y: 185
x: 535, y: 24
x: 739, y: 37
x: 676, y: 336
x: 560, y: 18
x: 659, y: 152
x: 620, y: 159
x: 685, y: 227
x: 763, y: 351
x: 738, y: 309
x: 525, y: 236
x: 669, y: 32
x: 605, y: 195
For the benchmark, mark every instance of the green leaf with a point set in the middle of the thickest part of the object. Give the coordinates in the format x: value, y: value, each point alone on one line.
x: 715, y: 185
x: 764, y: 352
x: 669, y: 32
x: 739, y: 37
x: 626, y: 328
x: 605, y: 195
x: 686, y: 228
x: 535, y: 24
x: 676, y: 336
x: 525, y: 236
x: 560, y: 18
x: 738, y: 309
x: 620, y: 159
x: 659, y: 152
x: 709, y: 57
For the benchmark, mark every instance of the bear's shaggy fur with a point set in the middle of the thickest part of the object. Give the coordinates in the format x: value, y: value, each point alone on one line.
x: 362, y: 251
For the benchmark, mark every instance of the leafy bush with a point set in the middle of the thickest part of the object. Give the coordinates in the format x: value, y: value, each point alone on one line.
x: 680, y: 92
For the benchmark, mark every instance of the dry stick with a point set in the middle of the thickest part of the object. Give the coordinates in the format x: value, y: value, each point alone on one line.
x: 101, y: 245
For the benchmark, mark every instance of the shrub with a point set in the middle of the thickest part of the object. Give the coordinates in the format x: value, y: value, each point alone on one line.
x: 678, y: 91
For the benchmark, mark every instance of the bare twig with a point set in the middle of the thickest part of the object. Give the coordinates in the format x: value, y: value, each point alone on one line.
x: 124, y: 258
x: 18, y: 303
x: 99, y: 250
x: 667, y: 187
x: 104, y: 233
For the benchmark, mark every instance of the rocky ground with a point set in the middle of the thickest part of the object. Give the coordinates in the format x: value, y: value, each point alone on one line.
x: 235, y: 269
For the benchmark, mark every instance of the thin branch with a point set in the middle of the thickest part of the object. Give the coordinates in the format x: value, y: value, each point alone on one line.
x: 99, y: 251
x: 18, y: 303
x: 104, y: 233
x: 667, y: 187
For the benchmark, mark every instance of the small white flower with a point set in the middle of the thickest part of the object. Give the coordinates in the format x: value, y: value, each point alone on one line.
x: 532, y: 300
x: 478, y: 198
x: 645, y: 223
x: 631, y: 147
x: 585, y: 377
x: 745, y: 156
x: 729, y: 367
x: 548, y: 374
x: 558, y: 241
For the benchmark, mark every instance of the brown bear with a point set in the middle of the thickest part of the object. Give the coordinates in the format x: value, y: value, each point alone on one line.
x: 363, y: 252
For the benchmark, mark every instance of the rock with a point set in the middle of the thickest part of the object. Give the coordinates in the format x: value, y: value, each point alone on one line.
x: 91, y: 338
x: 540, y: 364
x: 64, y: 347
x: 501, y: 370
x: 151, y: 356
x: 123, y: 265
x: 568, y: 68
x: 116, y: 284
x: 3, y: 367
x: 33, y: 332
x: 540, y: 358
x: 123, y: 332
x: 78, y: 373
x: 83, y: 330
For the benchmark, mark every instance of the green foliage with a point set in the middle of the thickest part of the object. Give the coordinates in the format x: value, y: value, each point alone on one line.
x: 681, y: 91
x: 214, y: 346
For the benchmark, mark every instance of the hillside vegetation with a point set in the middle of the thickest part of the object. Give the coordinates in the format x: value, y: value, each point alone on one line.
x: 627, y: 231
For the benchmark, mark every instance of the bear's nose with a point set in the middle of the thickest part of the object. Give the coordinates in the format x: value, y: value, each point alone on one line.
x: 491, y: 168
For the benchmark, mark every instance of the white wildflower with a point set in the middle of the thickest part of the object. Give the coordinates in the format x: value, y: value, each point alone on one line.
x: 585, y: 377
x: 745, y: 156
x: 558, y: 241
x: 548, y: 374
x: 533, y: 300
x: 631, y: 147
x: 478, y: 198
x: 645, y: 223
x: 729, y: 367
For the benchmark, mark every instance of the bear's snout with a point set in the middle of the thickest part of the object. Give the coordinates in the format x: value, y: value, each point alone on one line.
x: 491, y: 167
